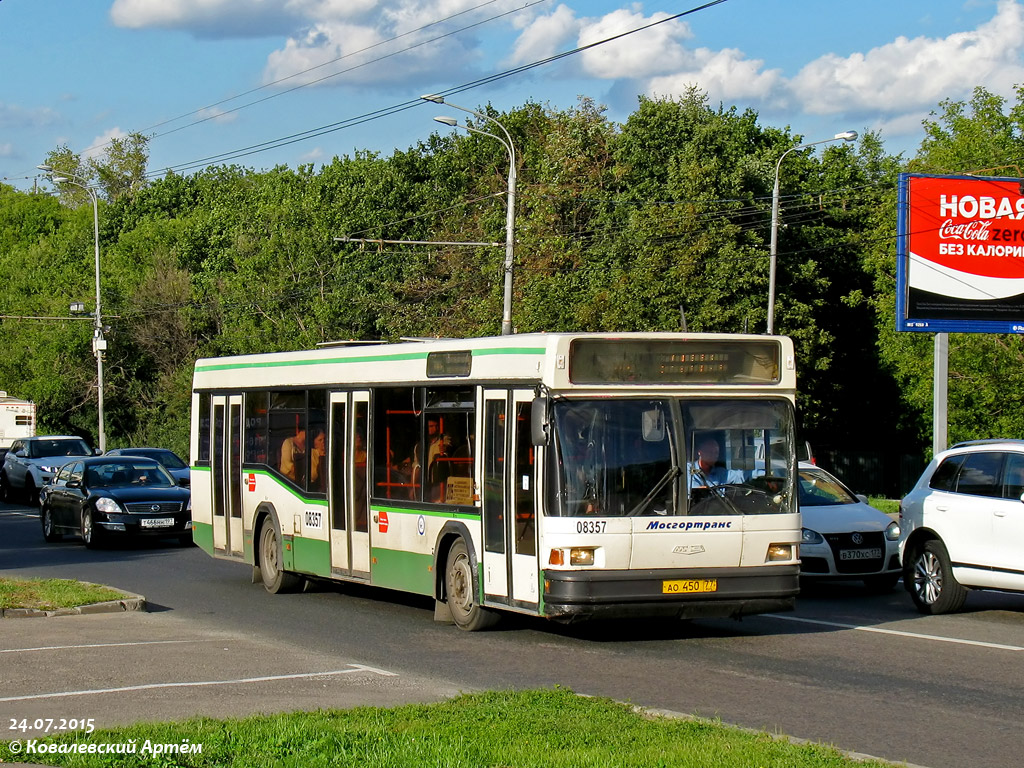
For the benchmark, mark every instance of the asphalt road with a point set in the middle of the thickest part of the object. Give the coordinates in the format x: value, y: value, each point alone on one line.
x: 864, y: 673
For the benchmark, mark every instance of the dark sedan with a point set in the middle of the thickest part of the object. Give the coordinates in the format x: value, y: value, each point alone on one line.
x: 106, y: 495
x: 172, y: 462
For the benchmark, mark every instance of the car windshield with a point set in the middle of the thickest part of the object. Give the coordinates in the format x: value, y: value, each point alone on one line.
x: 128, y: 472
x: 43, y: 448
x: 626, y: 458
x: 820, y: 490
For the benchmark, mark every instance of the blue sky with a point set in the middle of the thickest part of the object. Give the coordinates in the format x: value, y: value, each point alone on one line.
x: 76, y: 72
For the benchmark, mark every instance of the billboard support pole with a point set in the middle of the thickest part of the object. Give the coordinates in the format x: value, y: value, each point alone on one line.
x: 940, y: 392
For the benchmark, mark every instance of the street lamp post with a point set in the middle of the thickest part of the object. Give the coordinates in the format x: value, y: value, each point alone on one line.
x: 99, y: 344
x: 844, y: 136
x: 510, y: 214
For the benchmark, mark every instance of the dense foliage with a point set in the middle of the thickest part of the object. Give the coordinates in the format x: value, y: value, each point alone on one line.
x: 655, y: 224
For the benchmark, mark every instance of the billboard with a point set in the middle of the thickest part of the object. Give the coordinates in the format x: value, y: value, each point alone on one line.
x: 960, y: 254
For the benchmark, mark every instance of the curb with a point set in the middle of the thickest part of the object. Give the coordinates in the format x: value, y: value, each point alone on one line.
x: 130, y: 602
x: 668, y: 713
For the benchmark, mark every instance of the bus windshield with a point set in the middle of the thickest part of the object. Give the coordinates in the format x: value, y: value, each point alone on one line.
x: 647, y: 457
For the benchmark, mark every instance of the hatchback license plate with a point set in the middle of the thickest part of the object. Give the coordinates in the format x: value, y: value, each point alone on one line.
x: 860, y: 554
x: 156, y: 522
x: 687, y: 586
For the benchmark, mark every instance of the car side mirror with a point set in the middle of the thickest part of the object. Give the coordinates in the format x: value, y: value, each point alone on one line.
x: 20, y: 454
x: 97, y: 452
x: 862, y: 498
x: 73, y: 484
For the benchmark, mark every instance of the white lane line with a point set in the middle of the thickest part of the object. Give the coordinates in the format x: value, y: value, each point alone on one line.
x: 881, y: 631
x: 203, y: 683
x: 95, y: 645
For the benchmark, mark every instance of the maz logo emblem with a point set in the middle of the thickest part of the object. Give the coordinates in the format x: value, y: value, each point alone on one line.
x: 690, y: 549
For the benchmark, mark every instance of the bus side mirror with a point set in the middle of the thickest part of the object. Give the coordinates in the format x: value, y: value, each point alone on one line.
x: 540, y: 425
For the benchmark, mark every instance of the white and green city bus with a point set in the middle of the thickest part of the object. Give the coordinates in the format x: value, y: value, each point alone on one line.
x: 549, y: 474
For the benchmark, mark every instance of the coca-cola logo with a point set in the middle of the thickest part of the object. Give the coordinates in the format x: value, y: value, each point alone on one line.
x: 968, y: 230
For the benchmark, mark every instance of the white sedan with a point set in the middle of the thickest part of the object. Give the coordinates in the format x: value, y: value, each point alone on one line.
x: 844, y: 537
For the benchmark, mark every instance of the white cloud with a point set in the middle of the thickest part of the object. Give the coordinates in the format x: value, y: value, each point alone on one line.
x: 99, y: 145
x: 217, y: 115
x: 17, y: 116
x: 545, y: 36
x: 654, y: 51
x: 7, y: 150
x: 726, y: 75
x: 207, y: 18
x: 908, y: 74
x: 398, y: 43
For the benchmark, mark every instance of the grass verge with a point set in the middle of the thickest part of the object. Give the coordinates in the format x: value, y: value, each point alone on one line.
x: 889, y: 506
x: 50, y: 594
x: 526, y: 729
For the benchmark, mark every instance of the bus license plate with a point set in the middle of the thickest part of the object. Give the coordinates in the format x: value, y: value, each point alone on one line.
x: 156, y: 522
x: 688, y: 586
x: 860, y: 554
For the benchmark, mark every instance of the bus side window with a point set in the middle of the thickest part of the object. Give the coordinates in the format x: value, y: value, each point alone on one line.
x: 396, y: 434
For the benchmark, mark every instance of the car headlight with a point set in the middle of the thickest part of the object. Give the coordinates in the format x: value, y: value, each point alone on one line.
x: 48, y: 468
x: 107, y: 506
x: 188, y: 506
x: 892, y: 533
x: 808, y: 536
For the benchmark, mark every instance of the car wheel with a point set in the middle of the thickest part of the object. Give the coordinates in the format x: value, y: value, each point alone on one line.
x: 276, y: 580
x: 881, y: 584
x: 90, y: 531
x: 46, y: 519
x: 461, y: 591
x: 31, y: 492
x: 932, y: 586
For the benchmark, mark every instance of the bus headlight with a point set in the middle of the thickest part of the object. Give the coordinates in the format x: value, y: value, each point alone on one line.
x: 574, y: 556
x: 779, y: 552
x: 581, y: 556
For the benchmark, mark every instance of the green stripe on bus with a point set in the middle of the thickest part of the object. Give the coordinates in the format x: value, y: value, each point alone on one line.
x: 406, y: 571
x: 428, y: 512
x: 370, y: 359
x: 311, y: 556
x: 285, y: 486
x: 196, y: 468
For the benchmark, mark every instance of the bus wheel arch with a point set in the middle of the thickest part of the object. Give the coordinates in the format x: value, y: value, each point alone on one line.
x: 457, y: 585
x: 268, y: 554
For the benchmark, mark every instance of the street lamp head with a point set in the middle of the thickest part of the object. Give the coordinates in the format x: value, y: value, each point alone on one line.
x: 451, y: 122
x: 434, y: 97
x: 47, y: 168
x: 59, y: 179
x: 847, y: 136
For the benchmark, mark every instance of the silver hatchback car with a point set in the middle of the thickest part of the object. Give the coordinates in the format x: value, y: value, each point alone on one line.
x: 963, y: 524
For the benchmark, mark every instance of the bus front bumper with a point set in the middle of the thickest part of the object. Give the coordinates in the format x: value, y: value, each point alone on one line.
x: 577, y: 595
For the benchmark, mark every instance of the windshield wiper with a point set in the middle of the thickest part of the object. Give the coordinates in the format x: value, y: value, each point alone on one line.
x: 673, y: 472
x: 714, y: 491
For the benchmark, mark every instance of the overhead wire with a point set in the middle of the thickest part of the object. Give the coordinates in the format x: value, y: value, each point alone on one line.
x: 402, y: 106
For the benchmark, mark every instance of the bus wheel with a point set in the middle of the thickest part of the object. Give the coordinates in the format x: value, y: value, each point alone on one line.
x: 461, y: 591
x: 275, y: 579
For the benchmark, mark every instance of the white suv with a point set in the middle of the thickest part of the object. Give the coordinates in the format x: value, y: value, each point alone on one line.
x: 963, y: 525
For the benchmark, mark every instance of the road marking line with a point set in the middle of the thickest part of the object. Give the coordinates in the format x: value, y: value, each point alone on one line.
x: 203, y: 683
x: 96, y: 645
x: 881, y: 631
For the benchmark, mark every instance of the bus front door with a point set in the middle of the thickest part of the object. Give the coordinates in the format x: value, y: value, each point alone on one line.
x: 510, y: 501
x: 226, y: 474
